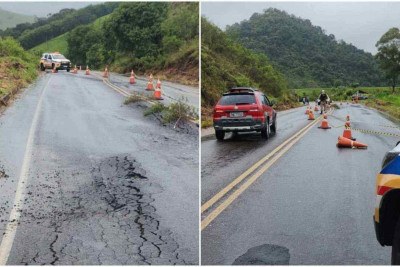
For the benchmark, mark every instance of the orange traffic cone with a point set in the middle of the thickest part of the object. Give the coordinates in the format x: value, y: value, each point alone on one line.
x: 158, y: 84
x: 151, y: 77
x: 75, y: 71
x: 132, y: 78
x: 345, y: 142
x: 87, y: 70
x: 348, y: 118
x: 105, y: 74
x: 150, y: 86
x: 307, y: 110
x: 311, y: 115
x: 324, y: 124
x: 347, y: 131
x: 157, y: 94
x: 316, y: 108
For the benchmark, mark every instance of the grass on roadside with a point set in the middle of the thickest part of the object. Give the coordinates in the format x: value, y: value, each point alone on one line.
x: 175, y: 112
x: 18, y: 68
x: 135, y: 98
x: 154, y: 109
x: 386, y: 102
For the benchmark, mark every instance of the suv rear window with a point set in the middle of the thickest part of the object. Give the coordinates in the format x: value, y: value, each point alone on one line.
x: 237, y: 99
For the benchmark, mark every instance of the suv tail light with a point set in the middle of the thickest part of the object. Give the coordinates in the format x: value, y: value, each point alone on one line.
x: 218, y: 113
x: 255, y: 112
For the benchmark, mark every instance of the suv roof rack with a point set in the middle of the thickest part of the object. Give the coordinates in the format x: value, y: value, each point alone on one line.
x: 241, y: 90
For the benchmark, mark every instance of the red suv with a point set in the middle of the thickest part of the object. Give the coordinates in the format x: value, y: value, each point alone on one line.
x: 244, y: 109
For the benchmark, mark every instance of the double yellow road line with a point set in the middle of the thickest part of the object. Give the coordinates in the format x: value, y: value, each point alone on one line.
x: 227, y: 195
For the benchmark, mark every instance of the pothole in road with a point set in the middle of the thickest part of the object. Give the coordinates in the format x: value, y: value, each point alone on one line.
x: 266, y: 254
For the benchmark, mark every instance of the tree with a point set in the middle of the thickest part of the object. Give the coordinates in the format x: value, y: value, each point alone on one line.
x: 135, y: 28
x: 388, y: 55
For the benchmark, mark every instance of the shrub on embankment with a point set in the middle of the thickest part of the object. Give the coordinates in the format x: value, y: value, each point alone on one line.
x: 18, y: 67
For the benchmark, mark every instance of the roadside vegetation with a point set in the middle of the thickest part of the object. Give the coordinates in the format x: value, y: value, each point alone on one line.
x: 18, y: 68
x: 173, y: 113
x: 387, y: 102
x: 134, y: 98
x: 176, y: 112
x: 148, y: 37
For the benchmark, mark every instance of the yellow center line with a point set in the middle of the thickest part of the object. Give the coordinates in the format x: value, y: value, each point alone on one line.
x: 252, y: 179
x: 221, y: 193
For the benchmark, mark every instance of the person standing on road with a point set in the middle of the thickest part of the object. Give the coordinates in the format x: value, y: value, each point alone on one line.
x: 323, y: 100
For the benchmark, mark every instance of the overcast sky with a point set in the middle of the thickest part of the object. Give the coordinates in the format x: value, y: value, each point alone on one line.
x: 359, y: 23
x: 41, y: 9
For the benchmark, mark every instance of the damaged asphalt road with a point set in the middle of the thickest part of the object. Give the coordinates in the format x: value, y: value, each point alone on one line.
x: 105, y: 185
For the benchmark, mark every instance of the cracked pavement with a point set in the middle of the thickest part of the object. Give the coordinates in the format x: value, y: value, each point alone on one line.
x: 106, y: 184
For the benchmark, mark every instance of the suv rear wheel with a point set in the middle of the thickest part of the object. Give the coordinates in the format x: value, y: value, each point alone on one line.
x: 396, y: 245
x: 219, y: 135
x: 273, y: 126
x: 266, y: 131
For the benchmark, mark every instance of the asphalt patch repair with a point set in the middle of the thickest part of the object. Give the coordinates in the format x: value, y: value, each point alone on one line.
x: 266, y: 254
x: 111, y: 221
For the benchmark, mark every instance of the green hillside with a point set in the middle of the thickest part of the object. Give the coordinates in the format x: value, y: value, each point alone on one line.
x: 18, y: 68
x: 226, y: 64
x: 60, y: 43
x: 10, y: 19
x: 304, y: 53
x: 33, y: 34
x: 56, y: 44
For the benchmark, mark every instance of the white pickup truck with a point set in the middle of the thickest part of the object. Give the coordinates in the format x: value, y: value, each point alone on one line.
x: 54, y: 60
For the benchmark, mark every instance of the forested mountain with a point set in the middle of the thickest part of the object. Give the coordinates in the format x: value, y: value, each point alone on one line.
x: 11, y: 19
x: 32, y: 34
x: 304, y: 53
x: 226, y: 64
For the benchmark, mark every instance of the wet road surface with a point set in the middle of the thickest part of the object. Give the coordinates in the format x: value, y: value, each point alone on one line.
x: 104, y: 184
x: 313, y: 206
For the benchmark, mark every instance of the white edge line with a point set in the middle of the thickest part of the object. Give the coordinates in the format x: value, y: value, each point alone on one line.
x: 15, y: 214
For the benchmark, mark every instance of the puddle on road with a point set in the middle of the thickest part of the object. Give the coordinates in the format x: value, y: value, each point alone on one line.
x: 266, y: 254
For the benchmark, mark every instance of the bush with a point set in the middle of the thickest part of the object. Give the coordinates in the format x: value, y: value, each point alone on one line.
x: 135, y: 98
x: 154, y: 109
x: 179, y: 111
